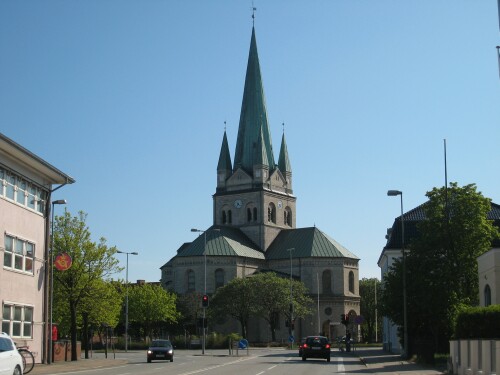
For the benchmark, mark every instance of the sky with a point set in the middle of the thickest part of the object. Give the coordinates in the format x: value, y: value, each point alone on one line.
x: 131, y: 98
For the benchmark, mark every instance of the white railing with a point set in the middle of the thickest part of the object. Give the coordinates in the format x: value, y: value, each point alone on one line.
x: 475, y: 357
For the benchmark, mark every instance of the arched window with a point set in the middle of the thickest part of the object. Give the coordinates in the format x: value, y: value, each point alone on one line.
x: 219, y: 278
x: 249, y: 214
x: 487, y: 295
x: 351, y: 282
x: 327, y: 282
x: 190, y: 281
x: 255, y: 214
x: 229, y: 217
x: 288, y: 216
x: 271, y: 213
x: 224, y: 218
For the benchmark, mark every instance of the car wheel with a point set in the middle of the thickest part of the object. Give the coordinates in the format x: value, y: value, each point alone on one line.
x: 172, y: 359
x: 328, y: 359
x: 149, y: 360
x: 303, y: 358
x: 17, y: 371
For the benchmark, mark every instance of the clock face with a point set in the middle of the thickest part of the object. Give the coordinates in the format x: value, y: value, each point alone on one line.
x: 238, y: 203
x: 280, y: 204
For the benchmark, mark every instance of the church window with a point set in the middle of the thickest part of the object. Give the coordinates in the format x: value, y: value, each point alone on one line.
x: 219, y: 278
x: 351, y: 282
x: 190, y: 281
x: 271, y: 213
x: 327, y: 282
x: 229, y: 217
x: 224, y: 218
x: 249, y: 214
x: 255, y: 214
x: 487, y: 295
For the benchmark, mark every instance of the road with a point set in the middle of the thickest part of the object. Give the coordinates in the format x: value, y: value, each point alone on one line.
x: 258, y: 362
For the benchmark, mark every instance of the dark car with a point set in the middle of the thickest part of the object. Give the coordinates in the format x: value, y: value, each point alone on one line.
x: 316, y: 347
x: 161, y: 349
x: 302, y: 341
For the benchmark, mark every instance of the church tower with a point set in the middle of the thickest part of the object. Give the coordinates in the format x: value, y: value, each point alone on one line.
x: 255, y: 194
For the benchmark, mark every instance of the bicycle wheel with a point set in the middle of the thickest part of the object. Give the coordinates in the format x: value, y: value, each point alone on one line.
x: 28, y: 360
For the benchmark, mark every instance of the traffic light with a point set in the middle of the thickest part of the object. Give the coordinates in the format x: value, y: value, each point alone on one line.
x: 204, y: 301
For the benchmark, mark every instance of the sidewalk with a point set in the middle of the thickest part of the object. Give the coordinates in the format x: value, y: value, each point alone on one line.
x: 381, y: 362
x: 82, y: 364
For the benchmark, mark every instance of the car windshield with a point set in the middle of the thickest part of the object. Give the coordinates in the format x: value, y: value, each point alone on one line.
x: 5, y: 345
x: 161, y: 343
x: 316, y: 340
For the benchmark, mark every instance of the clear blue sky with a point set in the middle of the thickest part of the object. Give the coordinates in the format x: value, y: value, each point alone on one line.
x: 130, y: 99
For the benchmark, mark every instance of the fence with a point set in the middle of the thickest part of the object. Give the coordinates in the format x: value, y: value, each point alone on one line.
x: 474, y: 357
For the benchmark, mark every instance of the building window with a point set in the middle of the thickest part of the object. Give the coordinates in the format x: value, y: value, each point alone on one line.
x: 271, y: 213
x: 487, y: 295
x: 229, y: 217
x: 287, y: 217
x: 224, y: 218
x: 18, y: 254
x: 249, y: 214
x: 255, y: 214
x: 191, y: 285
x: 17, y: 320
x: 21, y: 191
x: 327, y: 282
x: 219, y: 278
x: 351, y: 282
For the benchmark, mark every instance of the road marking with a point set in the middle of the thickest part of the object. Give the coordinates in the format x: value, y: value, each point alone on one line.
x: 340, y: 366
x: 214, y: 367
x: 270, y: 368
x: 260, y: 373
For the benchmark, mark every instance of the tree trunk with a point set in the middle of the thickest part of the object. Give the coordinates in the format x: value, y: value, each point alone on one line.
x: 85, y: 338
x: 72, y: 309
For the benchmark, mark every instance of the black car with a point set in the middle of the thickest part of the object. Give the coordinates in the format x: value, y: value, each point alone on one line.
x: 302, y: 341
x: 316, y: 347
x: 161, y: 349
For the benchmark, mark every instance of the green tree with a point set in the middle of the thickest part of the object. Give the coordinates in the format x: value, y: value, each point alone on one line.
x: 235, y: 299
x: 151, y: 307
x: 273, y: 299
x: 91, y: 263
x: 369, y: 290
x: 441, y: 267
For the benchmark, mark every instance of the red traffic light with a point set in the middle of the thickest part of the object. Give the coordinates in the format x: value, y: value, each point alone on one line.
x: 204, y: 301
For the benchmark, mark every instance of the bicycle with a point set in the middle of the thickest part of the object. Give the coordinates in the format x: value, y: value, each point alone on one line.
x: 28, y: 359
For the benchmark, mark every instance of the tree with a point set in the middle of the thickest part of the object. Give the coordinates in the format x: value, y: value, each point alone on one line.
x: 151, y: 306
x: 91, y: 263
x: 368, y: 307
x: 273, y: 298
x: 236, y: 299
x: 441, y: 267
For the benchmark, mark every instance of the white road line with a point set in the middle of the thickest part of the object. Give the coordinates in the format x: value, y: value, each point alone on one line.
x: 340, y: 366
x: 270, y: 368
x: 214, y: 367
x: 260, y: 373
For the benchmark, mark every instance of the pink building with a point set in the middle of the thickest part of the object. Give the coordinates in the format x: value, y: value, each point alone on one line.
x: 26, y: 183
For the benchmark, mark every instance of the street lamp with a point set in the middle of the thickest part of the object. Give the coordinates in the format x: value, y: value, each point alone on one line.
x: 126, y: 295
x: 291, y: 297
x: 51, y: 343
x: 393, y: 193
x: 205, y: 282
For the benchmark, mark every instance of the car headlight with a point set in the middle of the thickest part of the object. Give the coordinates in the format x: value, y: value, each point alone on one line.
x: 170, y: 351
x: 149, y: 352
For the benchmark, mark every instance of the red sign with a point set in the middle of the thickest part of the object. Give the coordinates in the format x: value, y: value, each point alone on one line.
x: 63, y: 262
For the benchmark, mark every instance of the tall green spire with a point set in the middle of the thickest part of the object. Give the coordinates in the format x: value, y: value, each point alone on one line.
x: 224, y: 157
x: 284, y: 161
x: 253, y: 117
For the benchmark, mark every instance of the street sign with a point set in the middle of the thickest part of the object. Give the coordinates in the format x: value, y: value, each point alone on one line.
x: 291, y: 338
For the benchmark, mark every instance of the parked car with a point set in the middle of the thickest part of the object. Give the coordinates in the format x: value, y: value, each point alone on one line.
x: 316, y: 347
x: 302, y: 341
x: 161, y: 349
x: 11, y: 361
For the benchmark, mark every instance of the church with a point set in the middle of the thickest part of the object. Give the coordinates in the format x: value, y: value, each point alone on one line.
x: 254, y: 230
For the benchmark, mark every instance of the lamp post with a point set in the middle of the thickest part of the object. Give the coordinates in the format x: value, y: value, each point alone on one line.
x: 205, y: 281
x: 393, y: 193
x: 51, y: 343
x: 126, y: 295
x: 291, y: 296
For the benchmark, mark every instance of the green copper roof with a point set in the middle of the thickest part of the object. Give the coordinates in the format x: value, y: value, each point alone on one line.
x: 260, y: 151
x: 307, y: 243
x: 224, y: 157
x: 253, y: 116
x: 225, y: 241
x: 284, y: 162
